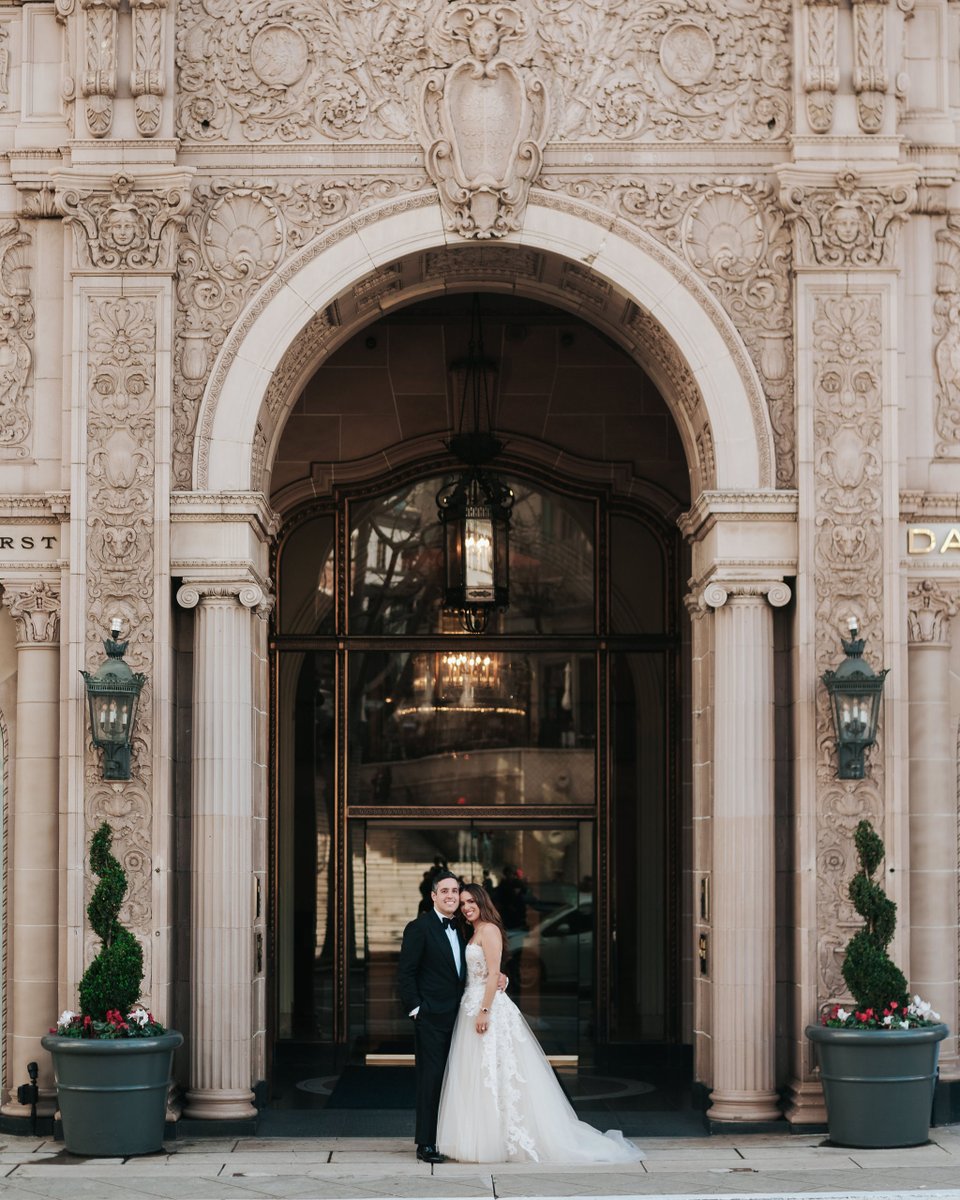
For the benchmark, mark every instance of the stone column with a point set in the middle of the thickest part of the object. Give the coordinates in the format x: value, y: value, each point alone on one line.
x: 34, y: 842
x: 221, y: 942
x: 933, y: 964
x: 743, y: 960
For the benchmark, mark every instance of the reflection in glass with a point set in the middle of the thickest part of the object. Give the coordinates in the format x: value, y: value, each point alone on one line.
x: 305, y: 799
x: 472, y: 727
x: 540, y: 878
x: 307, y: 579
x: 396, y: 563
x: 637, y: 589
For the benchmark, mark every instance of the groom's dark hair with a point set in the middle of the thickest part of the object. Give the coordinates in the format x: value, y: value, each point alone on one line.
x: 442, y: 874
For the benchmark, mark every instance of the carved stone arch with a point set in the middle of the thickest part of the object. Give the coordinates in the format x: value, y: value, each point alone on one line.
x: 567, y: 253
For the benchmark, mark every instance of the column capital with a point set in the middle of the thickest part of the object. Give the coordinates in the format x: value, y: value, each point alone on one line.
x: 35, y: 607
x: 714, y: 593
x: 249, y: 592
x: 930, y: 605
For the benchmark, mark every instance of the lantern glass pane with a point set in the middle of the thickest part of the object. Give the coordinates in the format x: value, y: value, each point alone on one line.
x: 478, y: 558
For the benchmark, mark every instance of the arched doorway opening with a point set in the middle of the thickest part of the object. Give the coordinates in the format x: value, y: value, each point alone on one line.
x: 543, y: 758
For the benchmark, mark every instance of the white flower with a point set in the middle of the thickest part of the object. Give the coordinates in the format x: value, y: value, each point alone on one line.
x: 842, y: 1014
x: 140, y: 1015
x: 888, y: 1019
x: 65, y: 1017
x: 922, y: 1010
x: 904, y: 1024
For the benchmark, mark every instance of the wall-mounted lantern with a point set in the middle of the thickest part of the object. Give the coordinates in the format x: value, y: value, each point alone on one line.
x: 474, y: 509
x: 855, y: 691
x: 113, y: 693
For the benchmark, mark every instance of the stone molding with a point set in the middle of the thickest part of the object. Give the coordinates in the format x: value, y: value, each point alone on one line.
x: 125, y: 224
x: 946, y: 329
x: 822, y: 72
x: 98, y: 76
x: 716, y: 591
x: 930, y: 607
x: 484, y: 117
x: 871, y: 81
x: 848, y: 343
x: 148, y: 73
x: 712, y: 507
x: 617, y: 72
x: 246, y: 592
x: 35, y: 609
x: 17, y: 330
x: 846, y: 219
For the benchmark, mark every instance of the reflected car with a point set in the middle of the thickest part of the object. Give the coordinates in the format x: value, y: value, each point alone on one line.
x: 559, y: 950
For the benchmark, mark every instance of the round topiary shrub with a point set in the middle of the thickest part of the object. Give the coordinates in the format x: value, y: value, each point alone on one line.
x: 875, y: 982
x: 112, y: 981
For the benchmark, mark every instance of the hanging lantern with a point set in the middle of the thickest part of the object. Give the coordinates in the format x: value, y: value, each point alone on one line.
x: 474, y: 509
x: 855, y: 691
x: 113, y: 693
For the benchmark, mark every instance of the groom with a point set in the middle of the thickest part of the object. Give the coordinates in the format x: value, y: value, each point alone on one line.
x: 431, y: 974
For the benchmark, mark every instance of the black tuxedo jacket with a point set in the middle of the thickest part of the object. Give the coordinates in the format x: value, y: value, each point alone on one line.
x: 427, y: 973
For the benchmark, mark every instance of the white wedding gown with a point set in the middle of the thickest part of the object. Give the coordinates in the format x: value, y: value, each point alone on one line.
x: 501, y: 1101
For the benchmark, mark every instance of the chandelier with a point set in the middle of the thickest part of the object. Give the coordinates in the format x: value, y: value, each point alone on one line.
x: 474, y: 509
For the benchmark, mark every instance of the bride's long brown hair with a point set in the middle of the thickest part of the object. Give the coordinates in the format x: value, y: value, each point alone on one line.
x: 488, y: 912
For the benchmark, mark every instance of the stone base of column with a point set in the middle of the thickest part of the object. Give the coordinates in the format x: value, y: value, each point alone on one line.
x: 744, y: 1107
x: 211, y: 1104
x: 805, y: 1104
x: 46, y: 1106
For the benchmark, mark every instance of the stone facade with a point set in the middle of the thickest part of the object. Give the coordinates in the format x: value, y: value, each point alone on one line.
x: 759, y: 200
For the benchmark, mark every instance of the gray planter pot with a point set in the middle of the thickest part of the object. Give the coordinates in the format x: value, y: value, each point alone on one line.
x: 878, y: 1084
x: 113, y: 1094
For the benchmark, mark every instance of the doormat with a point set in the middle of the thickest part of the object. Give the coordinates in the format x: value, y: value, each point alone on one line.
x: 374, y: 1087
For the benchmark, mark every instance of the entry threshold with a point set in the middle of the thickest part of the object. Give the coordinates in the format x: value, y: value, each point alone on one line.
x: 559, y: 1062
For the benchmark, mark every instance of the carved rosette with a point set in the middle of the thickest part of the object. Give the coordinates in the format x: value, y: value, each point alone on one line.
x: 126, y: 228
x: 848, y: 580
x: 121, y: 457
x: 733, y: 233
x: 870, y: 78
x: 98, y: 79
x: 17, y: 329
x: 946, y: 328
x: 147, y: 79
x: 237, y: 234
x: 822, y: 76
x: 325, y: 70
x: 36, y: 612
x: 483, y: 117
x: 847, y: 220
x: 930, y: 607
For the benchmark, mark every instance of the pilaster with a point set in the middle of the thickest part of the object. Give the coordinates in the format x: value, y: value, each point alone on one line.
x: 221, y: 876
x: 34, y: 893
x: 742, y: 962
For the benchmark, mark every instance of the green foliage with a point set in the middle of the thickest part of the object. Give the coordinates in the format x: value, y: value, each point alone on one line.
x: 875, y: 982
x: 112, y: 981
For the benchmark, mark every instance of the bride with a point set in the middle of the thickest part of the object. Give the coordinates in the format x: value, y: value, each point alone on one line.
x: 501, y: 1101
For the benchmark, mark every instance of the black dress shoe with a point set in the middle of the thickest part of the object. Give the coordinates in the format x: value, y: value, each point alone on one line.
x: 430, y: 1154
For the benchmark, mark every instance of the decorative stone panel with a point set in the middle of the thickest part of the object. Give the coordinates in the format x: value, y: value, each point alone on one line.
x: 16, y: 338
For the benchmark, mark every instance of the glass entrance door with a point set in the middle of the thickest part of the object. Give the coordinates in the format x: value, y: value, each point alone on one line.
x: 541, y: 879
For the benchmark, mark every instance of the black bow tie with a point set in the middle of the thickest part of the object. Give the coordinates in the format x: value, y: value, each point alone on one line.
x: 447, y: 923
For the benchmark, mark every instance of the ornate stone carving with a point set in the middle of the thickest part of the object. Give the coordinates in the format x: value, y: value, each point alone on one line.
x: 4, y: 67
x: 36, y: 611
x: 483, y: 262
x: 718, y: 591
x: 147, y: 78
x: 848, y: 220
x: 484, y: 117
x: 127, y: 228
x: 732, y: 232
x: 16, y: 334
x: 121, y: 457
x: 822, y: 76
x: 848, y: 580
x: 870, y: 80
x: 236, y: 235
x: 98, y: 80
x: 946, y: 327
x: 336, y: 70
x: 930, y: 606
x: 64, y: 10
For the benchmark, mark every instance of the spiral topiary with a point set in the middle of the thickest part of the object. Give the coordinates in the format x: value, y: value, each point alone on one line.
x: 113, y: 979
x: 875, y: 982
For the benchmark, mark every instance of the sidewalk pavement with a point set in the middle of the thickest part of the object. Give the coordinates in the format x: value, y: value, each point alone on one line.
x: 735, y: 1165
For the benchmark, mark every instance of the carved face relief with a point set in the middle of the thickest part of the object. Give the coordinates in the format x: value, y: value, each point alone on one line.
x: 122, y: 226
x: 845, y: 222
x: 484, y: 40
